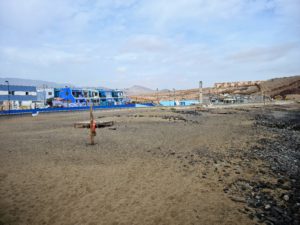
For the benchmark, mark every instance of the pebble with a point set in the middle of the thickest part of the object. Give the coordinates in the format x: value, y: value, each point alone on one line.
x: 267, y: 206
x: 286, y: 197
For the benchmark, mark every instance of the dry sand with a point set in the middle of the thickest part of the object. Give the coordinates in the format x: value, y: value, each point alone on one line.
x: 157, y: 167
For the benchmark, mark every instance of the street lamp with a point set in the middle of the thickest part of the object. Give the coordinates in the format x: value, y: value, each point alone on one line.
x: 8, y: 96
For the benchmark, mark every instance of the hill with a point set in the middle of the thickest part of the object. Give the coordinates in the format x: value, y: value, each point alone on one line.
x: 138, y: 90
x: 36, y: 83
x: 284, y: 87
x: 281, y: 86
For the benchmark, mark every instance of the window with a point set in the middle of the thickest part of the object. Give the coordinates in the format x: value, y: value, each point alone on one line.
x: 26, y: 93
x: 11, y: 93
x: 49, y: 93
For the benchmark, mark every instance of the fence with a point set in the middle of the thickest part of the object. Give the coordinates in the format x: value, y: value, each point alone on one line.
x: 71, y: 109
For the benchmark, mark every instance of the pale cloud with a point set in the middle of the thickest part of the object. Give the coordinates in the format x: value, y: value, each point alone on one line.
x: 201, y: 10
x: 126, y: 57
x: 121, y: 69
x: 264, y: 54
x: 34, y: 15
x: 149, y: 42
x: 44, y: 57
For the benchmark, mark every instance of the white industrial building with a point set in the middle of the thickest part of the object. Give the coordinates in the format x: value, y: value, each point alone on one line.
x: 15, y: 96
x: 43, y: 94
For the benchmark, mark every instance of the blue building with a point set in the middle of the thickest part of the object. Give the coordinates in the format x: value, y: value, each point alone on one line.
x: 106, y: 97
x: 112, y: 97
x: 119, y: 97
x: 81, y: 97
x: 78, y: 96
x: 15, y: 96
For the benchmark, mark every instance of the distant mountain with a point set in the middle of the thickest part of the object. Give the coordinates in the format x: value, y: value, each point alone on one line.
x: 36, y: 83
x: 284, y: 87
x: 137, y: 90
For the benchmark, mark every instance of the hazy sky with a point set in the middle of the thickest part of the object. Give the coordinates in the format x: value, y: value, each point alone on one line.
x: 155, y: 43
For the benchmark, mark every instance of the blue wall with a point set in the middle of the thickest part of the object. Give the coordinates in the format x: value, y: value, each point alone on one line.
x: 18, y: 88
x: 84, y: 108
x: 18, y: 97
x: 66, y: 94
x: 181, y: 103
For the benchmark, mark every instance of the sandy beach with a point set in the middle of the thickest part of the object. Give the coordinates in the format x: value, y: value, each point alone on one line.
x: 154, y: 166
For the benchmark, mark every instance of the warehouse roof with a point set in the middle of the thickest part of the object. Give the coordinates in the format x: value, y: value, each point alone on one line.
x: 18, y: 88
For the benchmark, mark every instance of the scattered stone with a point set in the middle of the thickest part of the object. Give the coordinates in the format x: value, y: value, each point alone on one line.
x: 286, y: 197
x: 267, y: 207
x: 237, y: 199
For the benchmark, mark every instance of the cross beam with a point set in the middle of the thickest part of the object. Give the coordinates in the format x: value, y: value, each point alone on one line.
x: 92, y: 125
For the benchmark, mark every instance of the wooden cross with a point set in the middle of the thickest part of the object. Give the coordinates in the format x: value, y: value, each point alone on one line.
x: 92, y: 125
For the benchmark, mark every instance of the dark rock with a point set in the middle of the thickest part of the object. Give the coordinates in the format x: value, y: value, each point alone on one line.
x: 271, y: 219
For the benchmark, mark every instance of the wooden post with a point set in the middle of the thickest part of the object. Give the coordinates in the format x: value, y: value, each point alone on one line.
x: 92, y: 125
x: 92, y: 132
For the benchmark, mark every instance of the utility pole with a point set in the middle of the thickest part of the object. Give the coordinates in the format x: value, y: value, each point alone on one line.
x: 200, y: 93
x: 8, y: 96
x: 67, y: 94
x: 92, y: 126
x: 174, y: 96
x: 44, y: 94
x: 169, y: 98
x: 157, y: 96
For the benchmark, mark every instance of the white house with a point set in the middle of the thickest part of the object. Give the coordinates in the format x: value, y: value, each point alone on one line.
x: 45, y: 93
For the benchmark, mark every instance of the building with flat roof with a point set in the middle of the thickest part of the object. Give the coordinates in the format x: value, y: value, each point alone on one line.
x: 43, y: 94
x: 15, y: 96
x: 83, y: 97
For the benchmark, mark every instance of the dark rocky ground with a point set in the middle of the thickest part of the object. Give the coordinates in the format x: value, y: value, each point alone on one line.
x: 267, y: 202
x: 279, y: 202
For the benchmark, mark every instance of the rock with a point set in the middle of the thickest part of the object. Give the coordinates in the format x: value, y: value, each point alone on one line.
x: 278, y: 210
x: 280, y: 181
x: 259, y: 216
x: 267, y: 207
x: 258, y: 204
x: 271, y: 219
x: 237, y: 199
x: 286, y: 197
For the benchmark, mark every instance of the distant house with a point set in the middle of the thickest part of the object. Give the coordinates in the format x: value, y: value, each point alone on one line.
x: 81, y: 97
x: 106, y: 97
x: 43, y: 94
x: 78, y: 96
x: 118, y: 96
x: 17, y: 96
